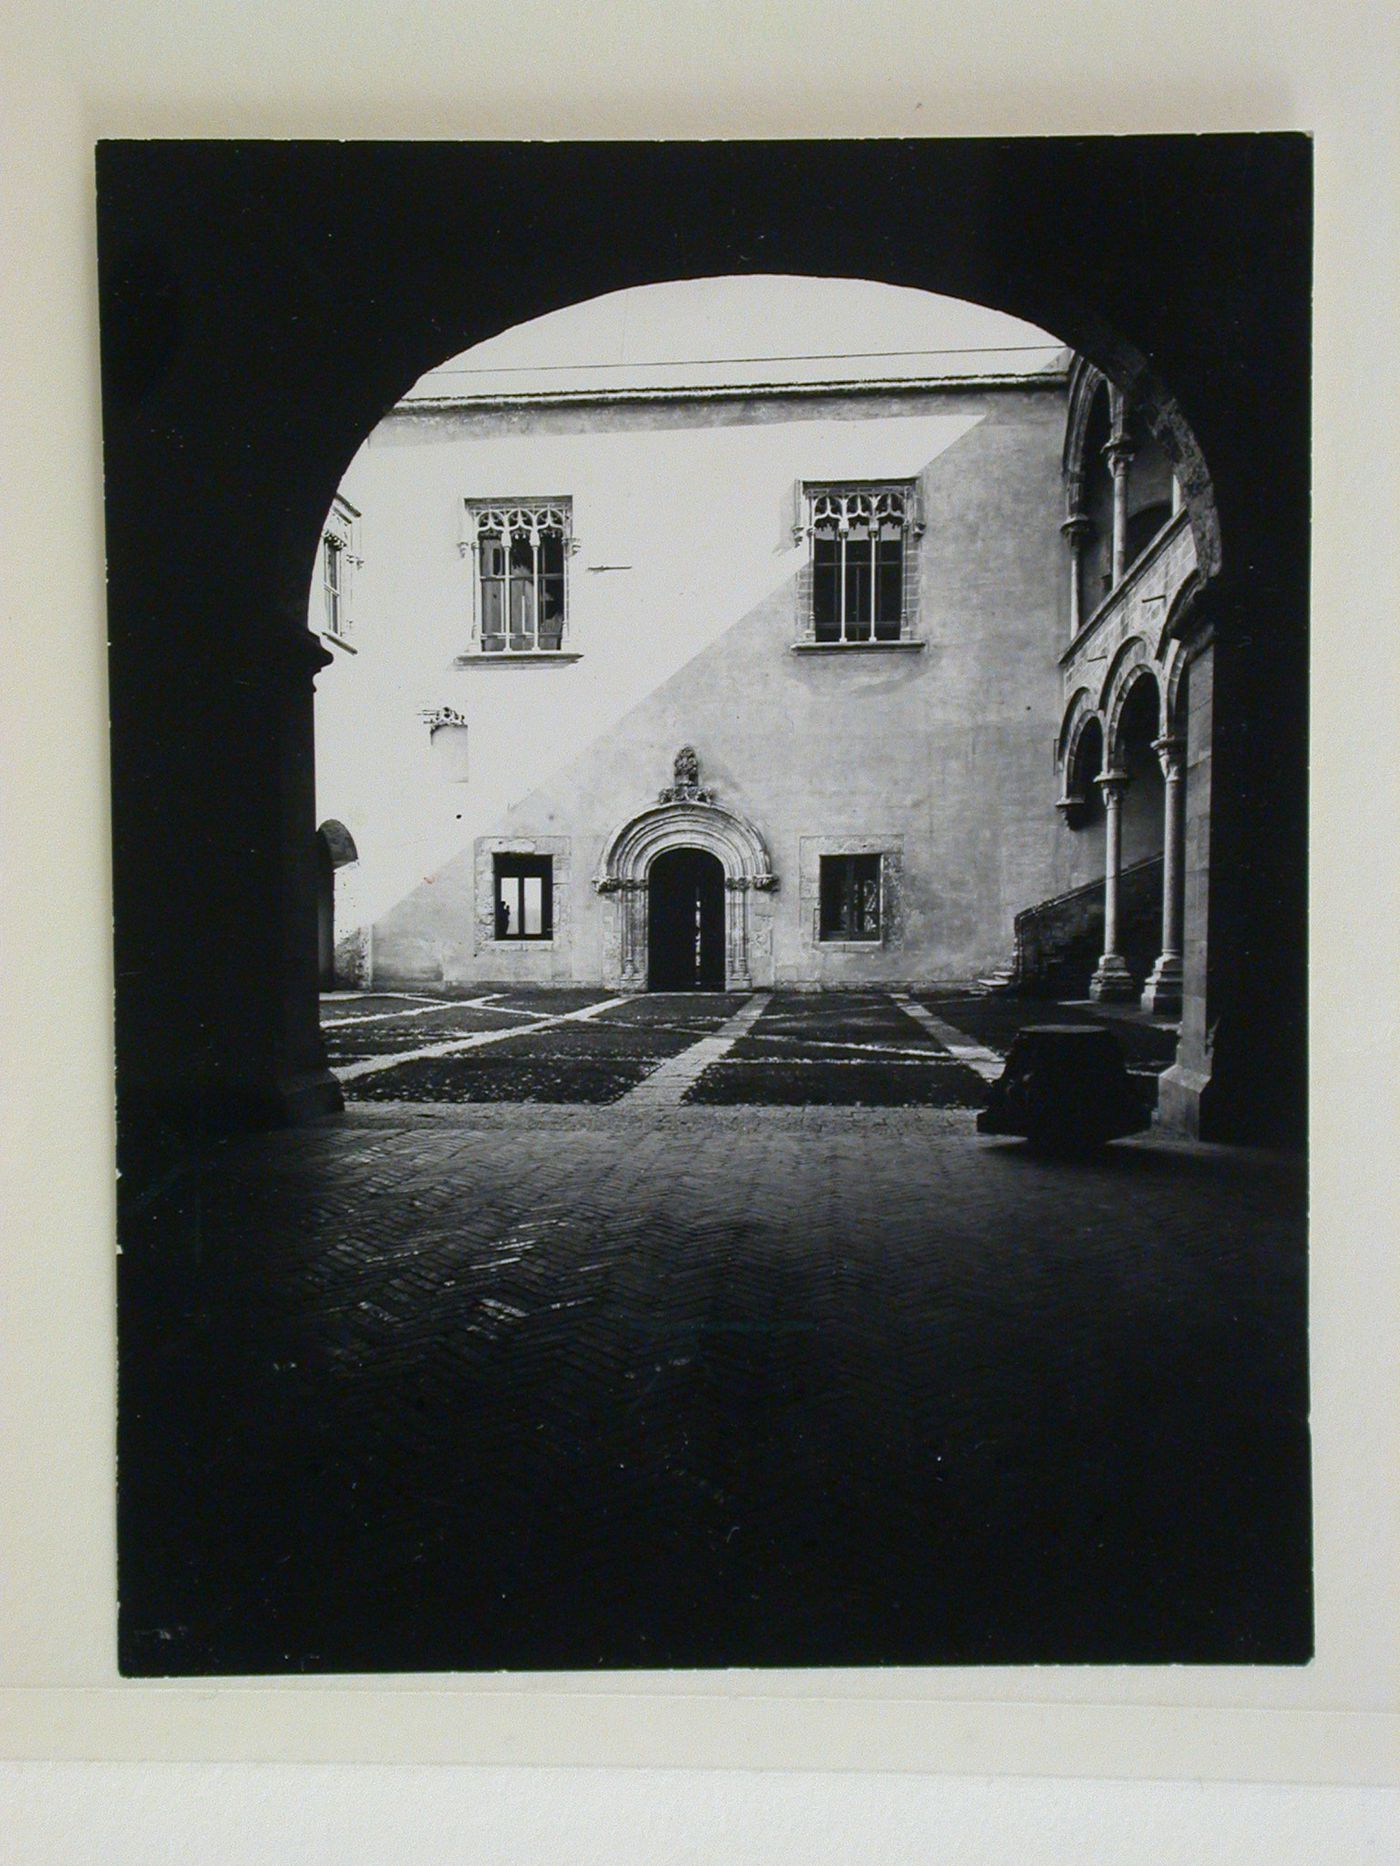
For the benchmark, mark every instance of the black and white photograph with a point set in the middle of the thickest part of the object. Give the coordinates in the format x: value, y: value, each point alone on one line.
x: 709, y: 808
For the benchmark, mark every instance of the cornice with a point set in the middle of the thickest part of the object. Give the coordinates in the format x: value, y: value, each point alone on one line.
x: 723, y: 392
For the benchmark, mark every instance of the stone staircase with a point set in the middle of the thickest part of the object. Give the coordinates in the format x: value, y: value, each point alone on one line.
x: 1002, y: 979
x: 1058, y: 942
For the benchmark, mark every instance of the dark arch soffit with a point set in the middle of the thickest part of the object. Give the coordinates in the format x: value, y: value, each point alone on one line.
x: 385, y: 241
x: 329, y: 276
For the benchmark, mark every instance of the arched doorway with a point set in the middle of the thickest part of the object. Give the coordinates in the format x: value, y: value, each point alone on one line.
x: 685, y: 921
x: 732, y: 892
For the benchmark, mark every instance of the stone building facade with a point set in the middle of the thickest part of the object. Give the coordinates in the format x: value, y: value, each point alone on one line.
x: 707, y: 685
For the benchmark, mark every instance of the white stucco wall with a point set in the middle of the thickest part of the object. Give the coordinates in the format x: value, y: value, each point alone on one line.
x: 683, y: 515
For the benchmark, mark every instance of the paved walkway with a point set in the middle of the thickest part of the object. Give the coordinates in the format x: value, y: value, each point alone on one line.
x: 457, y: 1046
x: 668, y: 1085
x: 987, y: 1063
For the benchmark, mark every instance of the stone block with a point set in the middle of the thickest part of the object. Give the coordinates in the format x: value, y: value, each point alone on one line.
x: 1065, y: 1088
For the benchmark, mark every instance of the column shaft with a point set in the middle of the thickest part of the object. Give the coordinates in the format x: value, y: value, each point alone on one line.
x: 1120, y: 459
x: 1162, y: 993
x: 1112, y: 979
x: 1076, y: 530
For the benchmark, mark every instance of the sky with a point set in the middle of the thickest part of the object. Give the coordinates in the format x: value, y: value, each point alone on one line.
x: 761, y: 328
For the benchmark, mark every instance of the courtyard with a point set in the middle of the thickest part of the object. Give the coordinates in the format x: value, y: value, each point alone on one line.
x: 931, y: 1048
x: 703, y: 1330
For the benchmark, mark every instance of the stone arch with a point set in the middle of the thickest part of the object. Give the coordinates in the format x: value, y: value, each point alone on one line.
x: 1091, y: 280
x: 1086, y: 384
x: 1134, y: 735
x: 1122, y: 668
x: 1173, y: 660
x: 1085, y: 759
x: 749, y: 883
x: 1130, y: 664
x: 1076, y: 715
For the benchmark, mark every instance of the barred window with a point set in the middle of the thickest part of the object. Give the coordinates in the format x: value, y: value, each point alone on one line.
x: 338, y: 560
x: 860, y: 537
x: 524, y: 896
x: 850, y: 897
x: 520, y: 551
x: 334, y: 553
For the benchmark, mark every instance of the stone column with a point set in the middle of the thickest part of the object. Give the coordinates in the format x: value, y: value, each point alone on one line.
x: 632, y: 894
x: 1119, y: 454
x: 631, y: 948
x: 1112, y: 980
x: 736, y: 934
x: 302, y: 1084
x: 1076, y: 531
x: 1188, y: 1097
x: 1162, y: 994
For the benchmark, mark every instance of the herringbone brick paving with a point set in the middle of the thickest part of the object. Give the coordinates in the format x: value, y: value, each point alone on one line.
x: 567, y: 1386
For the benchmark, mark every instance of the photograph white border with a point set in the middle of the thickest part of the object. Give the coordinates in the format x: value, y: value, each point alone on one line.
x: 73, y: 74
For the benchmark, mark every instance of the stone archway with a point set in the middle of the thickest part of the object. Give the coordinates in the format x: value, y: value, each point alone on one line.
x: 687, y: 817
x: 222, y: 1031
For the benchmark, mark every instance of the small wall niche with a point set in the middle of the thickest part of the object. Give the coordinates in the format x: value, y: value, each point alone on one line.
x: 447, y: 745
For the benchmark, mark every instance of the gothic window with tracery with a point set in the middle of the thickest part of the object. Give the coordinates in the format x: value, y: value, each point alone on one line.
x: 520, y: 550
x: 860, y: 562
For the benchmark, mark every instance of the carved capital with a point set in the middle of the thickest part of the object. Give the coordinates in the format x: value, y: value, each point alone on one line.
x: 1171, y: 752
x: 737, y: 884
x: 766, y: 884
x: 435, y: 716
x: 1119, y: 454
x: 1077, y: 530
x: 1112, y: 784
x: 1072, y: 809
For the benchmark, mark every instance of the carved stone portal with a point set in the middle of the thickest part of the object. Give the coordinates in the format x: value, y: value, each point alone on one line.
x: 687, y: 817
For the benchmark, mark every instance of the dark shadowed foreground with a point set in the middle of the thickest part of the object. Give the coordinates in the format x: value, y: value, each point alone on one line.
x: 548, y: 1386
